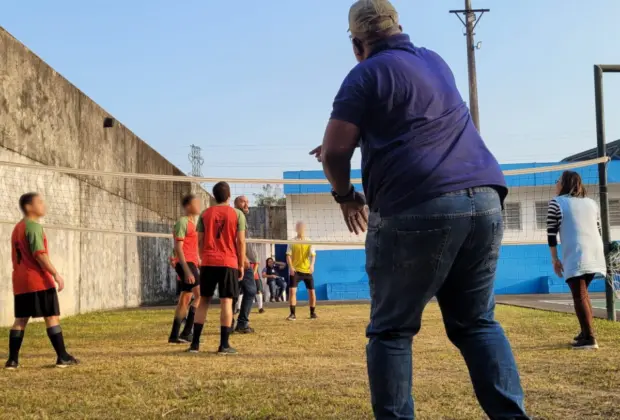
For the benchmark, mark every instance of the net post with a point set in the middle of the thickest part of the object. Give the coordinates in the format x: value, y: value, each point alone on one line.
x: 604, y: 199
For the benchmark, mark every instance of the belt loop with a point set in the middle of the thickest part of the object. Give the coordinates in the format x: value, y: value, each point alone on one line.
x: 470, y: 192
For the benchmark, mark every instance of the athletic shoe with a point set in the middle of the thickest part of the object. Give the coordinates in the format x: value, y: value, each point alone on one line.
x: 176, y: 341
x: 578, y: 337
x: 261, y: 311
x: 271, y: 300
x: 291, y: 317
x: 226, y: 351
x: 11, y: 365
x: 67, y: 361
x: 585, y: 344
x: 313, y: 316
x: 193, y: 348
x: 246, y: 330
x: 186, y: 338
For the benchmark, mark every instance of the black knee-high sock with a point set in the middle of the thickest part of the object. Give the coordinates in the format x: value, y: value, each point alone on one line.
x: 176, y: 326
x: 55, y: 335
x: 197, y: 333
x: 292, y: 309
x: 15, y: 343
x: 224, y: 334
x: 312, y: 309
x: 189, y: 321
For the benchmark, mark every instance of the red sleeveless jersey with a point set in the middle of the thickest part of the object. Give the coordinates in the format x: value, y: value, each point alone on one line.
x: 220, y: 225
x: 27, y: 241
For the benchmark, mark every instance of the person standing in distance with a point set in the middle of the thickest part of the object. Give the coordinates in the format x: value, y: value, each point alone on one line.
x: 34, y: 283
x: 300, y: 259
x: 221, y: 240
x: 435, y: 196
x: 575, y: 217
x: 248, y: 283
x: 186, y: 267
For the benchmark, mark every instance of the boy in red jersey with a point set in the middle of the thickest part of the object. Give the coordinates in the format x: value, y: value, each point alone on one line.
x: 221, y: 239
x: 186, y: 252
x: 34, y: 283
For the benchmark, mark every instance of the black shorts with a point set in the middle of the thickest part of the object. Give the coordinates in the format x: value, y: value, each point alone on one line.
x: 37, y: 304
x: 587, y: 277
x: 305, y: 277
x: 182, y: 285
x: 226, y: 279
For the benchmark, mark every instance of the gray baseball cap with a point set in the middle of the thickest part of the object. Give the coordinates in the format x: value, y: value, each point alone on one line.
x: 368, y: 17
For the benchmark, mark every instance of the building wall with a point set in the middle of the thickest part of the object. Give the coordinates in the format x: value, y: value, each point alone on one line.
x: 46, y: 120
x: 524, y: 268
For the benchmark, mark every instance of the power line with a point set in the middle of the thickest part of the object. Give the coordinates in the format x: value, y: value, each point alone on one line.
x: 470, y: 22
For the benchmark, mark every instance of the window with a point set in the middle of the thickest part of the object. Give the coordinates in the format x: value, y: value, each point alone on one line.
x: 512, y: 216
x: 614, y: 212
x: 542, y: 207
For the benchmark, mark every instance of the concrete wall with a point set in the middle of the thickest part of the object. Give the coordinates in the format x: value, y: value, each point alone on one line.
x: 46, y: 120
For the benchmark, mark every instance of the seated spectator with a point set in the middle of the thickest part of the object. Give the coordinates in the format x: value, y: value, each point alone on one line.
x: 276, y: 283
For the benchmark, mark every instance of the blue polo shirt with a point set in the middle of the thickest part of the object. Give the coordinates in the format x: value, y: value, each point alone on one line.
x: 418, y: 140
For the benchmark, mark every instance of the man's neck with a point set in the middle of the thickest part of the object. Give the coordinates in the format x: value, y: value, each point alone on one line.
x: 32, y: 218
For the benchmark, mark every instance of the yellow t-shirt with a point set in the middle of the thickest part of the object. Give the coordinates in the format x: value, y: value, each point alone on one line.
x: 300, y: 256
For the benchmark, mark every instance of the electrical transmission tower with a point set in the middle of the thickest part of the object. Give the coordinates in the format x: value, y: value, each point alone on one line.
x: 470, y: 22
x: 195, y: 157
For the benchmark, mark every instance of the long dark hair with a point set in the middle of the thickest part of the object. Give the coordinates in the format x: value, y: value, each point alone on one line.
x: 267, y: 261
x: 572, y: 185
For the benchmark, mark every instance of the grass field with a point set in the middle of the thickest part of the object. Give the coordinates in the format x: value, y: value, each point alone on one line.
x: 302, y: 370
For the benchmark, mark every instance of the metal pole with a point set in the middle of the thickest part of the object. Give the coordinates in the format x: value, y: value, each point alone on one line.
x: 470, y: 22
x: 602, y: 181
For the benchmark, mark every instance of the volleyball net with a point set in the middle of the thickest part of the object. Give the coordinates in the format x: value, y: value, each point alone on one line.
x: 148, y: 205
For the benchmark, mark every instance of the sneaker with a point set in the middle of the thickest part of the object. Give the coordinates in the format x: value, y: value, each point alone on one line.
x: 175, y: 341
x: 186, y: 338
x: 585, y: 344
x: 313, y: 316
x: 11, y: 365
x: 291, y: 317
x: 67, y: 361
x: 246, y: 330
x: 226, y: 351
x: 193, y: 348
x: 261, y: 311
x: 578, y: 337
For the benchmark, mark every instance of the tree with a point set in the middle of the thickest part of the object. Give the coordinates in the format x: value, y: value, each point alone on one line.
x: 270, y: 197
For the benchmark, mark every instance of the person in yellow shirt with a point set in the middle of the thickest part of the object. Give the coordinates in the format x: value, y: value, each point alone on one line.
x: 301, y: 259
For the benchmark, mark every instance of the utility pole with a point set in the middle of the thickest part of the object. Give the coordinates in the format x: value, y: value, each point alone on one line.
x: 195, y: 157
x: 470, y: 22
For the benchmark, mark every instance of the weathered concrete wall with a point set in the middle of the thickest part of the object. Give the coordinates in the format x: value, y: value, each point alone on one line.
x: 46, y: 120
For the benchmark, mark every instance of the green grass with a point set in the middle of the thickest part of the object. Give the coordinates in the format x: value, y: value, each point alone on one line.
x: 301, y: 370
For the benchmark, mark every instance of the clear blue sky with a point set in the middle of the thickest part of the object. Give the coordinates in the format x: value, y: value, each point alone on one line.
x: 251, y: 82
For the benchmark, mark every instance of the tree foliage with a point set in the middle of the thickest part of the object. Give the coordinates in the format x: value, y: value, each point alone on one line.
x: 270, y: 196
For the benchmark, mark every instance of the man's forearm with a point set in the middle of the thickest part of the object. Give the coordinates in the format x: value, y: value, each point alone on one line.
x: 241, y: 249
x: 45, y: 262
x: 554, y: 253
x: 337, y: 168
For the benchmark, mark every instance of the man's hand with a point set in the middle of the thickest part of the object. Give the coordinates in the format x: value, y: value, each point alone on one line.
x: 291, y: 271
x: 59, y: 281
x: 241, y: 271
x: 317, y: 153
x: 558, y: 268
x: 189, y: 277
x: 355, y: 214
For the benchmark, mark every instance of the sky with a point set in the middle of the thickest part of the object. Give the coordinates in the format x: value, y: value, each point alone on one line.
x: 252, y: 82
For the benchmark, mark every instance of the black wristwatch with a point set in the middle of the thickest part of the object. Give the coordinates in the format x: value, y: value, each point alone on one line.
x: 350, y: 196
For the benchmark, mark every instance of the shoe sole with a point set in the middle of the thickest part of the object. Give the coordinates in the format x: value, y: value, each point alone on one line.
x: 590, y: 347
x: 64, y: 366
x: 291, y: 319
x: 226, y: 354
x: 193, y: 351
x: 11, y: 367
x: 185, y: 340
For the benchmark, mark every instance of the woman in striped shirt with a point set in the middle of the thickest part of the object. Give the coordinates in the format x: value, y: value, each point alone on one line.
x: 576, y: 218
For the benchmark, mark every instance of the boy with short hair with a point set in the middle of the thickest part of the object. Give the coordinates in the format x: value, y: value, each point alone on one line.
x: 34, y: 283
x: 221, y: 239
x: 186, y: 253
x: 300, y: 259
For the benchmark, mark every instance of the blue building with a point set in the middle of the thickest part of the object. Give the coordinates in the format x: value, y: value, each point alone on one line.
x: 524, y: 265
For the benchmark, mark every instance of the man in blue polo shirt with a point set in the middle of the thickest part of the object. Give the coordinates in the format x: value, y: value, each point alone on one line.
x: 435, y: 227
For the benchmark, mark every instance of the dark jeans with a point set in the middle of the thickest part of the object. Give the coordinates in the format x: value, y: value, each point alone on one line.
x: 276, y: 287
x: 248, y: 289
x: 446, y: 247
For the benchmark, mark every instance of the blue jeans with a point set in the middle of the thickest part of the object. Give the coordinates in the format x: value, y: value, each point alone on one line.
x: 276, y: 287
x: 248, y: 289
x: 447, y: 247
